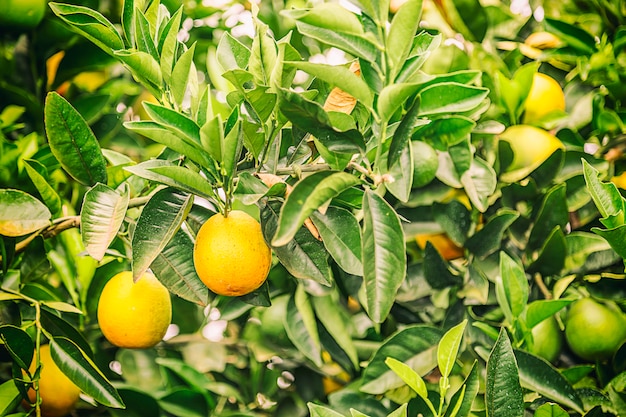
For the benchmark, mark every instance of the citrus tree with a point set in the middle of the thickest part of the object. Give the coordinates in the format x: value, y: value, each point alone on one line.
x: 328, y: 209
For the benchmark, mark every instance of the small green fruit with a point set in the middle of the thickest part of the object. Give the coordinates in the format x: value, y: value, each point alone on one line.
x: 547, y: 339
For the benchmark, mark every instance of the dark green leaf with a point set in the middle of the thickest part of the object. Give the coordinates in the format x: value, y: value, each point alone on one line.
x: 174, y: 267
x: 304, y: 256
x: 551, y: 256
x: 605, y: 195
x: 159, y: 221
x: 471, y: 385
x: 39, y: 176
x: 538, y: 375
x: 383, y: 255
x: 402, y: 134
x: 21, y: 213
x: 83, y: 372
x: 72, y: 142
x: 185, y: 402
x: 311, y: 117
x: 301, y: 326
x: 18, y: 344
x: 450, y: 97
x: 488, y: 239
x: 436, y: 270
x: 574, y: 36
x: 341, y: 235
x: 402, y: 31
x: 503, y: 396
x: 56, y: 326
x: 415, y: 345
x: 552, y: 212
x: 308, y: 195
x: 101, y: 216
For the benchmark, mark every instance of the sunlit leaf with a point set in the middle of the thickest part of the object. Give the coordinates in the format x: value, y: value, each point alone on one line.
x: 101, y: 216
x: 317, y: 410
x: 449, y: 348
x: 402, y: 30
x: 409, y: 376
x: 181, y: 75
x: 450, y: 97
x: 38, y: 175
x: 21, y: 213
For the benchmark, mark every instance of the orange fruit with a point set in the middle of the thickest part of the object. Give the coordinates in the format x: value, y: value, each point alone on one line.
x: 134, y: 315
x: 58, y: 394
x: 545, y: 96
x: 442, y: 242
x: 531, y: 147
x: 230, y: 254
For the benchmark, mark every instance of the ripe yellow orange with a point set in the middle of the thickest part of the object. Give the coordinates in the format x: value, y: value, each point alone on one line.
x: 620, y: 180
x: 58, y: 394
x: 230, y: 254
x: 442, y: 242
x: 545, y: 96
x: 531, y: 146
x: 134, y: 315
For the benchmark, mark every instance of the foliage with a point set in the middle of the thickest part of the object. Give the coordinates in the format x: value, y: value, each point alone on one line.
x: 140, y: 121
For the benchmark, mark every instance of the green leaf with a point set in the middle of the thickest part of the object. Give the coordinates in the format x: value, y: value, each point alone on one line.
x: 449, y: 348
x: 450, y: 97
x: 21, y: 213
x: 58, y: 327
x: 174, y: 267
x: 415, y: 345
x: 552, y: 212
x: 364, y: 47
x: 101, y: 217
x: 144, y: 39
x: 264, y: 53
x: 574, y: 36
x: 72, y: 142
x: 10, y: 397
x: 308, y: 195
x: 539, y: 310
x: 503, y: 396
x: 322, y: 411
x: 311, y: 117
x: 83, y: 372
x: 467, y: 394
x: 410, y: 377
x: 539, y: 376
x: 616, y: 238
x: 338, y: 325
x: 446, y: 131
x: 393, y: 96
x: 514, y: 286
x: 168, y: 45
x: 232, y: 54
x: 383, y: 252
x: 329, y: 16
x: 173, y: 120
x: 301, y: 326
x: 488, y: 239
x: 185, y: 402
x: 606, y: 196
x: 550, y: 410
x: 160, y: 219
x: 401, y: 33
x: 479, y: 182
x: 175, y: 176
x: 304, y: 256
x: 401, y: 171
x: 91, y: 24
x: 338, y: 76
x: 550, y: 259
x: 39, y: 176
x: 145, y: 69
x: 403, y: 133
x: 582, y: 247
x: 184, y: 69
x: 182, y: 145
x: 341, y: 235
x: 18, y: 344
x: 436, y: 270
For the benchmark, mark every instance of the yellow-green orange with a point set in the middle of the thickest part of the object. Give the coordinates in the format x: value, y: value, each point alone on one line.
x: 58, y: 394
x: 230, y: 254
x: 531, y: 146
x: 134, y: 315
x: 22, y: 14
x: 547, y: 339
x: 544, y: 97
x: 425, y: 163
x: 593, y: 330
